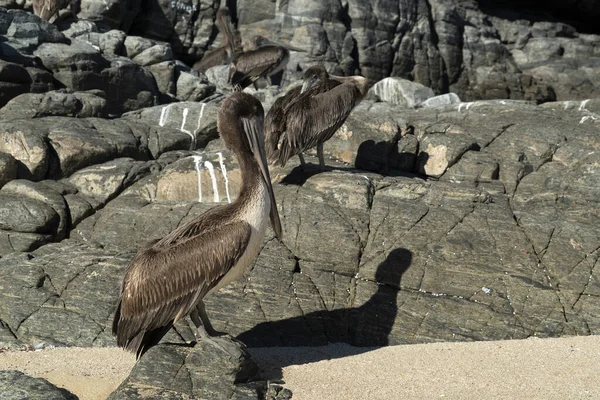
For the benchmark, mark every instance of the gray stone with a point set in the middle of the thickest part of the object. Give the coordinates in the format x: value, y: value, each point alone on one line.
x: 46, y: 194
x: 8, y: 168
x: 193, y: 88
x: 15, y: 385
x: 400, y: 92
x: 177, y: 372
x: 441, y: 100
x: 218, y: 76
x: 103, y: 182
x: 154, y: 55
x: 185, y: 125
x: 26, y: 215
x: 60, y: 103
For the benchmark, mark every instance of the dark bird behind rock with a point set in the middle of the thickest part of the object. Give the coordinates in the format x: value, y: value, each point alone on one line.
x: 168, y: 279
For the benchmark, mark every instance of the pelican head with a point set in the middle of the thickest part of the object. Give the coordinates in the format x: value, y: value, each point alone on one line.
x: 314, y: 75
x: 248, y: 138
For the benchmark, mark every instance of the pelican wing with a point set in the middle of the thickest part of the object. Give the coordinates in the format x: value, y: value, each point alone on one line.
x: 275, y: 122
x: 251, y: 65
x: 212, y: 58
x: 315, y: 118
x: 164, y: 281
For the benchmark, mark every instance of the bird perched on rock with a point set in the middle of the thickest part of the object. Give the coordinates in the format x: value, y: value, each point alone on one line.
x: 168, y: 279
x: 309, y: 116
x: 265, y: 59
x: 223, y: 54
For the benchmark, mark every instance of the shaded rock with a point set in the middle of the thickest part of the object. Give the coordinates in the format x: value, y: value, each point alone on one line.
x: 77, y: 65
x: 26, y: 215
x: 14, y: 242
x: 16, y: 385
x: 115, y: 14
x: 165, y: 75
x: 400, y: 91
x: 201, y: 371
x: 40, y: 191
x: 8, y: 168
x: 42, y: 80
x: 36, y: 105
x: 193, y: 88
x: 128, y: 87
x: 14, y: 80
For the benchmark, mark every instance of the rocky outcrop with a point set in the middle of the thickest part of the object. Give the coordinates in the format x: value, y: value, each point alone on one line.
x: 435, y: 219
x: 206, y: 371
x: 16, y: 385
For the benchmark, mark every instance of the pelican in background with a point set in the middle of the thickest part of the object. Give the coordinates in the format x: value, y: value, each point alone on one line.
x: 275, y: 121
x: 48, y: 9
x: 266, y: 58
x: 168, y: 279
x: 223, y: 54
x: 313, y: 116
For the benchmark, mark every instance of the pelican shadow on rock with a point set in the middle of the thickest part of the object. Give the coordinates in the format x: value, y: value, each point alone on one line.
x: 367, y: 325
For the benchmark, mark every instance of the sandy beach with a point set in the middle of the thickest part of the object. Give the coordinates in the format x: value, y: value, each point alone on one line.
x: 533, y: 369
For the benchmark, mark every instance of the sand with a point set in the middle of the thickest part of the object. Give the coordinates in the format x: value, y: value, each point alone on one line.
x: 533, y: 369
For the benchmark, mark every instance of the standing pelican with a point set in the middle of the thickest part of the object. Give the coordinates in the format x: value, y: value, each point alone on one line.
x: 169, y: 279
x: 314, y: 116
x: 48, y: 9
x: 275, y: 121
x: 265, y: 59
x: 223, y: 54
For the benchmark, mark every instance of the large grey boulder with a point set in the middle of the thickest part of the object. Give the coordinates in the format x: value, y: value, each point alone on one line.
x: 203, y: 371
x: 16, y: 385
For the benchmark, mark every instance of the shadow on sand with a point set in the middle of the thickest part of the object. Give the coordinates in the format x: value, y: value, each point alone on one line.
x: 279, y: 343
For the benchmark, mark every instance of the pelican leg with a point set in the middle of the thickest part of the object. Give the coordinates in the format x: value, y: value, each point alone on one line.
x: 302, y: 162
x: 321, y: 158
x: 208, y: 334
x: 205, y: 323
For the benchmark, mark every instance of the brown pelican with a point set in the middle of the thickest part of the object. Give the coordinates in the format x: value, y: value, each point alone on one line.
x: 275, y: 121
x: 266, y: 58
x: 223, y: 54
x: 48, y: 9
x: 168, y: 279
x: 313, y: 117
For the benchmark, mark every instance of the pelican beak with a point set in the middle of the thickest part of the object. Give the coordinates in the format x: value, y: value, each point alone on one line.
x: 255, y: 133
x: 309, y: 83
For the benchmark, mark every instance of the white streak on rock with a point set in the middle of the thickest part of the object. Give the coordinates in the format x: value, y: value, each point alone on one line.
x: 197, y: 162
x: 211, y: 171
x: 224, y: 172
x: 583, y: 104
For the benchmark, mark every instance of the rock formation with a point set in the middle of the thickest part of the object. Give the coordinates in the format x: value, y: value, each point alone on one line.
x: 439, y: 220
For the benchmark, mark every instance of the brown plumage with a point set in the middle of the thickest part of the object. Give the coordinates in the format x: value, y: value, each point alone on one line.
x: 275, y: 120
x: 313, y: 117
x: 223, y: 54
x: 263, y: 61
x: 168, y: 279
x: 48, y: 9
